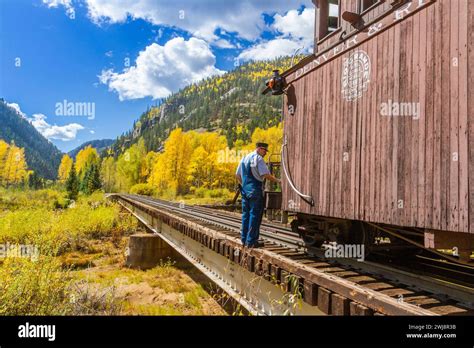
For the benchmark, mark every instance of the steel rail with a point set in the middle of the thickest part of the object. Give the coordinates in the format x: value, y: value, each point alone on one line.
x: 223, y: 222
x: 255, y: 294
x: 457, y: 292
x: 348, y: 289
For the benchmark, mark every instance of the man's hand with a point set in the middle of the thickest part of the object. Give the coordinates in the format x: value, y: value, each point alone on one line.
x: 272, y: 178
x: 239, y: 179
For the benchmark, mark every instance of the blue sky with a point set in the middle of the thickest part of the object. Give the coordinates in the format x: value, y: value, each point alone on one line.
x: 120, y: 56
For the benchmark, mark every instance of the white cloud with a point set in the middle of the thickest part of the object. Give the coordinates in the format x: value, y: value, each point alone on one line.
x: 270, y: 49
x: 161, y: 70
x: 200, y: 18
x: 295, y: 25
x: 222, y: 24
x: 223, y: 43
x: 56, y: 3
x: 296, y: 32
x: 65, y: 133
x: 16, y: 107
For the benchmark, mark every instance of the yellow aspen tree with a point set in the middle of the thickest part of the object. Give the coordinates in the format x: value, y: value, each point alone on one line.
x: 108, y: 174
x: 64, y: 168
x: 273, y: 136
x: 175, y: 160
x: 147, y: 166
x: 19, y: 165
x: 197, y: 173
x: 212, y: 142
x: 129, y: 165
x: 85, y: 158
x: 3, y: 159
x: 215, y: 146
x: 15, y: 169
x: 9, y: 163
x: 156, y: 178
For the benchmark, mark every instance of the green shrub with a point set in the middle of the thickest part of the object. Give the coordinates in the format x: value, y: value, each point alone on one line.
x: 68, y: 229
x: 25, y: 226
x: 203, y: 192
x: 42, y: 286
x: 219, y: 193
x: 95, y: 199
x: 12, y: 199
x: 33, y: 288
x: 143, y: 189
x: 200, y: 192
x: 61, y: 203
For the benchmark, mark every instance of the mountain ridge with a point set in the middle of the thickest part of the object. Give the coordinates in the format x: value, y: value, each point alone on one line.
x: 99, y: 144
x: 42, y: 156
x: 231, y: 104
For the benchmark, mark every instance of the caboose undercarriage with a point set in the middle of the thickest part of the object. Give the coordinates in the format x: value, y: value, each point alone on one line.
x: 319, y: 231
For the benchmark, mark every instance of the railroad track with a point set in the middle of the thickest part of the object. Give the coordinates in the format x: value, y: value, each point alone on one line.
x: 462, y: 276
x: 430, y: 295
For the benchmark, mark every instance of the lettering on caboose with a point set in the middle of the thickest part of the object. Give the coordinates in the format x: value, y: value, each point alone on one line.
x: 403, y: 12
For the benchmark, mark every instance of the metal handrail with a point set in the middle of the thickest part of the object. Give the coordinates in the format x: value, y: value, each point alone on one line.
x: 306, y: 198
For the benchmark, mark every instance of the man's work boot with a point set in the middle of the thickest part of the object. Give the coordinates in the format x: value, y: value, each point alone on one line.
x: 259, y: 244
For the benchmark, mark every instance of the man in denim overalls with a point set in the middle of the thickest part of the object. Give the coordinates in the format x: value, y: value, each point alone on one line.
x: 250, y: 174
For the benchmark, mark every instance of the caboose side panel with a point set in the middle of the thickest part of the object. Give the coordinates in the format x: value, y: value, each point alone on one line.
x: 470, y: 107
x: 381, y: 132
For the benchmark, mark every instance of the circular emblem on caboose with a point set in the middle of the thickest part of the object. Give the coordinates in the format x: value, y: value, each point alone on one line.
x: 355, y: 75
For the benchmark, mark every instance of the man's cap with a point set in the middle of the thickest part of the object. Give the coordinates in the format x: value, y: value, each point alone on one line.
x: 263, y: 145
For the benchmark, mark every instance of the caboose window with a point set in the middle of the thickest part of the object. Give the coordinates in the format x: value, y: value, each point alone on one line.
x: 329, y: 14
x: 333, y: 15
x: 366, y: 4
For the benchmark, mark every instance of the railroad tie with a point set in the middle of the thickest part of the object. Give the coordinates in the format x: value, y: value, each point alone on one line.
x: 324, y: 300
x: 310, y: 293
x: 357, y: 309
x: 339, y: 305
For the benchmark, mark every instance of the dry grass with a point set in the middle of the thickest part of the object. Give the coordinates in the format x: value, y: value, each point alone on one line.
x: 171, y: 288
x: 80, y: 269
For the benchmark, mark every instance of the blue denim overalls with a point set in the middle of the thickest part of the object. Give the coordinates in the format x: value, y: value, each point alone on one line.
x: 252, y: 206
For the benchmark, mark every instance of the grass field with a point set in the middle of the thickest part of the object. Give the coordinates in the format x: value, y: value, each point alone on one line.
x: 78, y: 267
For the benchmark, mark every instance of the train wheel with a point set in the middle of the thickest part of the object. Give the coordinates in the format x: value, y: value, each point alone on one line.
x: 362, y: 234
x: 309, y: 233
x: 310, y: 240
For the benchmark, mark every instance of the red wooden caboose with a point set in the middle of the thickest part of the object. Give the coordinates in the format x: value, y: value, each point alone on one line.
x: 379, y: 124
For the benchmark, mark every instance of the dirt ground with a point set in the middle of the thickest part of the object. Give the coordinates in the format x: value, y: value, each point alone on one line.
x: 174, y: 287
